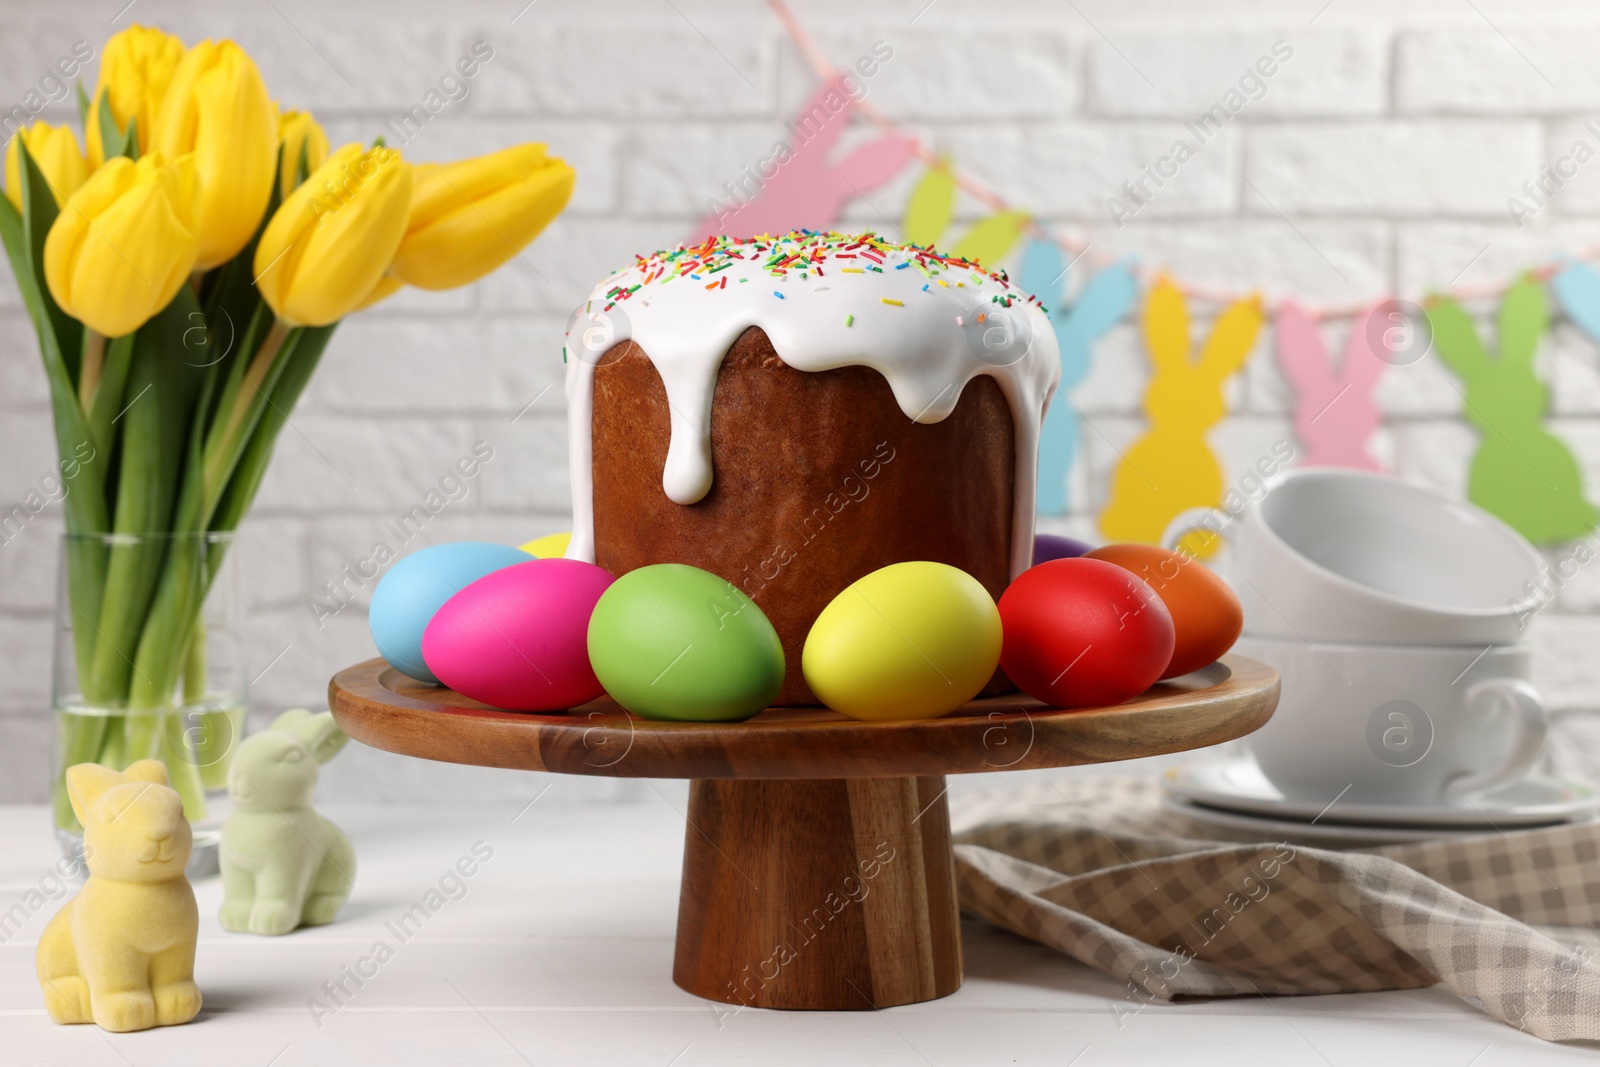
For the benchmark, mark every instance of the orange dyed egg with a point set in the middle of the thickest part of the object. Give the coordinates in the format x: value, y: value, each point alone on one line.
x: 1205, y: 613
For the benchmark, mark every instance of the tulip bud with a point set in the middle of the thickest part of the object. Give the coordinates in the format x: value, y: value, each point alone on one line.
x: 469, y: 217
x: 326, y: 247
x: 298, y: 132
x: 135, y: 70
x: 217, y: 107
x: 55, y: 150
x: 387, y: 286
x: 126, y: 241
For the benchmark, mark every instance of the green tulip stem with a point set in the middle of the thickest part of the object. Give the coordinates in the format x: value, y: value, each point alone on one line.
x: 94, y: 358
x: 194, y: 662
x: 255, y: 375
x: 269, y: 351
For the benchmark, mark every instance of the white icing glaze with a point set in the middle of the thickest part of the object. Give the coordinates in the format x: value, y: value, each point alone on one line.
x: 919, y: 344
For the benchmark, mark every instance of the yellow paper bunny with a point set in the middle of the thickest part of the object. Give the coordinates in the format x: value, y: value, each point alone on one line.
x: 120, y: 954
x: 1172, y: 469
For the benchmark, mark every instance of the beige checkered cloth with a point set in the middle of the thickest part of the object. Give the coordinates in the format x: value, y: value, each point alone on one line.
x: 1098, y: 869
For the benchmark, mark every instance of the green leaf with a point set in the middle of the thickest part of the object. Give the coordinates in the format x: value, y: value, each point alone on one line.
x: 302, y: 167
x: 59, y: 341
x: 16, y: 242
x: 82, y: 468
x: 114, y: 141
x: 39, y: 213
x: 83, y: 106
x: 932, y: 203
x: 988, y: 241
x: 110, y: 135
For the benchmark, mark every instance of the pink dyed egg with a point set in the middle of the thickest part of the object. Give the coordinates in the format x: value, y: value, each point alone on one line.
x: 518, y: 638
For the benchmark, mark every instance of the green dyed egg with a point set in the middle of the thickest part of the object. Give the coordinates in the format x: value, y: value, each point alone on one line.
x: 675, y: 642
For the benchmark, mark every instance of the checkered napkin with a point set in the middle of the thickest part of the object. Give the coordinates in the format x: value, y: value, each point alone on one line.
x: 1099, y: 870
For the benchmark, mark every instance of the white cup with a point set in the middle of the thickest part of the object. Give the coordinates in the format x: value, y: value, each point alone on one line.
x: 1386, y: 724
x: 1330, y: 554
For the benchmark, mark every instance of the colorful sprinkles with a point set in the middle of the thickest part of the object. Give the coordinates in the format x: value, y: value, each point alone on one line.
x: 803, y: 253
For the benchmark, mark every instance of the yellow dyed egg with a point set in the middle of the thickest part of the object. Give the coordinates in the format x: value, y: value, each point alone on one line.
x: 550, y: 546
x: 910, y: 641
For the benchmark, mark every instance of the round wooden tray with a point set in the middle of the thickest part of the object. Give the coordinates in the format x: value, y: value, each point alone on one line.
x: 817, y: 868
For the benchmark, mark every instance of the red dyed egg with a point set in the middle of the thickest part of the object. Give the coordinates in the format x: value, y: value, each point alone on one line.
x: 1083, y: 633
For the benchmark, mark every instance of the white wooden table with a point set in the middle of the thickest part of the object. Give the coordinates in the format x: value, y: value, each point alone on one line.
x: 558, y: 949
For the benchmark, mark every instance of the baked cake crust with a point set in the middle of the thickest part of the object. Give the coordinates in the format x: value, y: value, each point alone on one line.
x: 821, y: 479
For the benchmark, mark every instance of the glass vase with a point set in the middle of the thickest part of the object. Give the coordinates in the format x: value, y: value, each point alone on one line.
x: 149, y: 664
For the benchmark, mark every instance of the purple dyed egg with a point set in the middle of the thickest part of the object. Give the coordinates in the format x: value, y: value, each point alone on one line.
x: 1047, y: 547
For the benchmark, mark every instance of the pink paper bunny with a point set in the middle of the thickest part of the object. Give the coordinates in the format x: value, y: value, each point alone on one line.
x: 1334, y: 413
x: 795, y: 186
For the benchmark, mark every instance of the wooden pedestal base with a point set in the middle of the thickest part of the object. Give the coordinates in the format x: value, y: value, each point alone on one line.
x: 818, y: 872
x: 834, y: 894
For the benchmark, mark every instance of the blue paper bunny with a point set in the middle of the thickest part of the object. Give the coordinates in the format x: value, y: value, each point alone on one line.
x: 1102, y: 304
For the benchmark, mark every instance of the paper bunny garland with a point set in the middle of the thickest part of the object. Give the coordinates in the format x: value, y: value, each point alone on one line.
x: 1577, y: 289
x: 932, y: 207
x: 1335, y: 416
x: 797, y: 186
x: 1104, y: 302
x: 1172, y: 468
x: 1521, y: 472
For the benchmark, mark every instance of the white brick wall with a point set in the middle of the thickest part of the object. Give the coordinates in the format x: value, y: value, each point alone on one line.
x: 1391, y: 139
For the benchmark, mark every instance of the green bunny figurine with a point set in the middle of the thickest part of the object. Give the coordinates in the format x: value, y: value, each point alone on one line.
x: 283, y: 865
x: 1521, y: 472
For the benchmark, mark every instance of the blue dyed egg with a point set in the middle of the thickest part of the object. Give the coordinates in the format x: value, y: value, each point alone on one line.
x: 418, y: 586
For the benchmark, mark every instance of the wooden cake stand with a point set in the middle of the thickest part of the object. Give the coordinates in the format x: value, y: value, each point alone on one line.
x: 817, y: 871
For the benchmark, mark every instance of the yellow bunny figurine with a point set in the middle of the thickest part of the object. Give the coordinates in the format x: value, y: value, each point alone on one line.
x: 120, y: 954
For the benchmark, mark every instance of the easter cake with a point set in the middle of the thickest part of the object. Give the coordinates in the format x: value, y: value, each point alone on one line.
x: 794, y: 413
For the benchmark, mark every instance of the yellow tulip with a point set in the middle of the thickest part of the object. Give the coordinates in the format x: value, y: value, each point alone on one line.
x: 126, y: 241
x: 217, y: 107
x: 135, y: 70
x: 55, y: 150
x: 325, y: 248
x: 387, y: 286
x: 469, y: 217
x: 298, y: 132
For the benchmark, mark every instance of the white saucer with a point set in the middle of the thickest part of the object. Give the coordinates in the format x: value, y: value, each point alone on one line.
x: 1259, y: 828
x: 1238, y: 786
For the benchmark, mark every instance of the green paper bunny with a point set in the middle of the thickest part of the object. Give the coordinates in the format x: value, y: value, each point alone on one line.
x: 283, y: 865
x: 1521, y: 472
